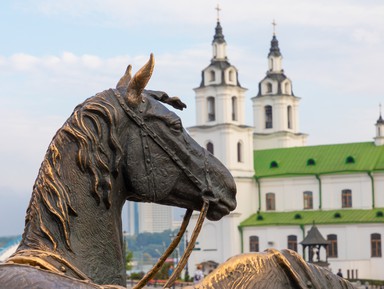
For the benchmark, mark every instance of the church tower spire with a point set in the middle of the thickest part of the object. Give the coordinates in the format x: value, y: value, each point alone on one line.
x: 219, y: 45
x: 274, y: 56
x: 276, y: 108
x: 379, y: 139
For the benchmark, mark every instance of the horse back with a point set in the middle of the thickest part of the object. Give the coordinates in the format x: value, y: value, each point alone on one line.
x: 14, y: 276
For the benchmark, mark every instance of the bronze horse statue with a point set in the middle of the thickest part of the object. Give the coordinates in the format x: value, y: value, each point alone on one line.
x: 271, y: 269
x: 124, y: 144
x: 121, y: 144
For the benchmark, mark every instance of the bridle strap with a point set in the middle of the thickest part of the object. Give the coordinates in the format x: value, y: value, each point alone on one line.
x: 150, y: 274
x: 191, y: 245
x: 203, y: 186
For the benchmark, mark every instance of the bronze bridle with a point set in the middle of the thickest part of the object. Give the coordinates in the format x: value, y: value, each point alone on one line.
x: 205, y: 188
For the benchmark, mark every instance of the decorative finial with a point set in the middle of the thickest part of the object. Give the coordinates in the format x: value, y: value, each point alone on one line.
x: 380, y: 109
x: 274, y: 27
x: 218, y: 12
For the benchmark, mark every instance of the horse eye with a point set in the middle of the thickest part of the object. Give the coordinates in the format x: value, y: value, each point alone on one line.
x: 177, y: 126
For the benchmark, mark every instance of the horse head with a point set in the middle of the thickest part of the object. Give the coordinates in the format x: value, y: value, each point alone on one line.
x: 163, y: 163
x: 121, y: 144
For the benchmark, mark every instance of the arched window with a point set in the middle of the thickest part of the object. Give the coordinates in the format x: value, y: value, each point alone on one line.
x: 210, y: 147
x: 375, y: 245
x: 270, y: 201
x: 253, y: 244
x: 346, y: 198
x: 286, y: 88
x: 273, y: 164
x: 311, y: 162
x: 308, y: 200
x: 350, y: 160
x: 211, y: 108
x: 332, y: 247
x: 239, y: 152
x: 230, y: 76
x: 269, y: 87
x: 212, y: 75
x: 289, y: 117
x: 292, y: 242
x: 271, y: 64
x: 234, y: 108
x: 268, y: 116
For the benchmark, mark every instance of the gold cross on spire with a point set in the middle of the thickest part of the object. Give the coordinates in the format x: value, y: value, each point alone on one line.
x: 274, y: 26
x: 218, y: 12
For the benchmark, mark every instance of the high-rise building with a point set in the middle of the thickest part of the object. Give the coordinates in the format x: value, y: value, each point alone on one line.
x: 148, y: 217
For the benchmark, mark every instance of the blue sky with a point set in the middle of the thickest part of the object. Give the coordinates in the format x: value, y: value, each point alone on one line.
x: 54, y: 54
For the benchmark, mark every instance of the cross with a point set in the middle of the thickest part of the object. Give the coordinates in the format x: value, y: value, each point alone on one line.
x: 274, y: 27
x: 218, y: 12
x: 380, y: 108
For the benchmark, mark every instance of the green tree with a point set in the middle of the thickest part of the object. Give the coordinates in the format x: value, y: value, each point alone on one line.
x: 128, y: 260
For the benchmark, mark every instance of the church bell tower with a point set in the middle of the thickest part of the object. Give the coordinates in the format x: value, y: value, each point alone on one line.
x: 276, y: 108
x: 220, y: 111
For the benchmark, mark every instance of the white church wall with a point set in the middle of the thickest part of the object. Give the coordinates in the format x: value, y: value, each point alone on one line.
x: 354, y: 249
x: 379, y: 189
x: 359, y: 184
x: 289, y: 192
x: 271, y: 237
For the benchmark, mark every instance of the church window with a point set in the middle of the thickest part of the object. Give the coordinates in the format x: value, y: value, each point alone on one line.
x: 268, y: 116
x: 350, y: 160
x: 292, y: 242
x: 274, y: 164
x: 308, y: 200
x: 211, y: 108
x: 269, y: 87
x: 270, y: 201
x: 212, y: 75
x: 289, y: 116
x: 311, y: 162
x: 210, y: 147
x: 234, y: 108
x: 230, y: 76
x: 286, y: 88
x: 332, y: 247
x: 346, y: 198
x: 239, y: 152
x: 375, y: 245
x: 253, y: 244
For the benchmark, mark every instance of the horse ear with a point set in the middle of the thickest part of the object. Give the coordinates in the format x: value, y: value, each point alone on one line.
x: 125, y: 79
x: 139, y: 81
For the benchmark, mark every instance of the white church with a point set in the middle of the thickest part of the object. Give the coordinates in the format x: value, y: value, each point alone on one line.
x: 285, y: 188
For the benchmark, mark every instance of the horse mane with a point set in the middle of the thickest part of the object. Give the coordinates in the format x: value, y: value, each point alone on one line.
x: 92, y: 127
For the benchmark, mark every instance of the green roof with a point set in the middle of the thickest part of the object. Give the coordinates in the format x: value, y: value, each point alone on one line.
x: 342, y: 216
x: 317, y: 160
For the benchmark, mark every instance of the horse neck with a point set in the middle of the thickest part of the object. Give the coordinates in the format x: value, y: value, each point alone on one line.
x: 65, y: 219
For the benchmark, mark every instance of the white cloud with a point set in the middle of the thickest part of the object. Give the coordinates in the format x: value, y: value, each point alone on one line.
x: 23, y: 61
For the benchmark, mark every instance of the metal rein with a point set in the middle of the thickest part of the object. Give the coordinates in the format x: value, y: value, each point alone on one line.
x: 204, y: 209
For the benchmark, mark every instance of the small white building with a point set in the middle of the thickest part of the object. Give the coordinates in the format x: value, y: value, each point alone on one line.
x: 283, y: 185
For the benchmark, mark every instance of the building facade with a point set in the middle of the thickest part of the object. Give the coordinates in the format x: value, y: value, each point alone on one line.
x: 148, y: 217
x: 284, y: 186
